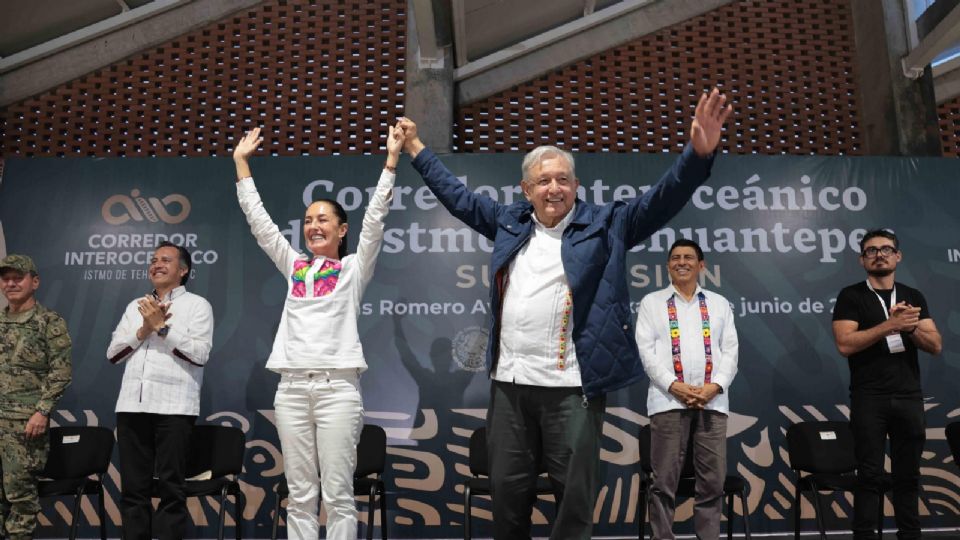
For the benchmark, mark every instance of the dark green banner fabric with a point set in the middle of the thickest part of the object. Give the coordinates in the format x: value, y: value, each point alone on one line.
x: 780, y: 236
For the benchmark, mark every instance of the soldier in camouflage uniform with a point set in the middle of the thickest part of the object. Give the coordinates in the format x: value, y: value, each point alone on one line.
x: 34, y: 372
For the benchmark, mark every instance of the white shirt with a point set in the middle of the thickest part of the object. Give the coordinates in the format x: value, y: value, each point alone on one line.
x: 162, y: 375
x: 319, y: 332
x: 653, y: 338
x: 533, y: 312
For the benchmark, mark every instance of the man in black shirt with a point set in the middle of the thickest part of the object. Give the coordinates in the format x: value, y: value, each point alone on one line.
x: 879, y: 325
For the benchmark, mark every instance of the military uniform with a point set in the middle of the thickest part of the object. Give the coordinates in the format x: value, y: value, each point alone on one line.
x: 34, y: 373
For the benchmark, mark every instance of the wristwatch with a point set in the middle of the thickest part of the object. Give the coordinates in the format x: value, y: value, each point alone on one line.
x: 45, y: 412
x: 163, y: 331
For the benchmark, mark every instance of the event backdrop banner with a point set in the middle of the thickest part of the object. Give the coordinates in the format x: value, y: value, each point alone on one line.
x: 780, y: 236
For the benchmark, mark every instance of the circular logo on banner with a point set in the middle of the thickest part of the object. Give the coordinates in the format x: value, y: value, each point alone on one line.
x: 470, y: 348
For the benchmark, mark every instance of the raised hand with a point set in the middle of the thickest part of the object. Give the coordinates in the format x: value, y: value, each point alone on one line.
x: 245, y: 148
x: 248, y: 144
x: 708, y: 122
x: 395, y: 139
x: 412, y: 144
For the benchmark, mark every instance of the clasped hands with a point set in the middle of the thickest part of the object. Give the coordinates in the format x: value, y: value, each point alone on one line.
x: 694, y: 397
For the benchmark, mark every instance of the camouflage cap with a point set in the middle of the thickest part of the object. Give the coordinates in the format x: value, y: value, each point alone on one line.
x: 21, y: 263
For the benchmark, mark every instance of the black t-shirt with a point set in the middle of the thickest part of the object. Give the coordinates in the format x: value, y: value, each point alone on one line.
x: 875, y: 370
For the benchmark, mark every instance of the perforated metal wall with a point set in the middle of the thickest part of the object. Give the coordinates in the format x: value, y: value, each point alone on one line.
x: 949, y: 114
x: 321, y: 77
x: 787, y: 64
x: 325, y: 77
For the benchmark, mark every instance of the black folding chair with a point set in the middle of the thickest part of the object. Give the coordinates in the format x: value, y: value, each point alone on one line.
x: 824, y: 450
x: 953, y: 439
x: 733, y: 486
x: 367, y: 479
x: 479, y: 484
x: 214, y: 464
x: 78, y: 459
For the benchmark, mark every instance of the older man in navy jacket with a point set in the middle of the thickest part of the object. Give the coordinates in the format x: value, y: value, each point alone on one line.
x: 561, y: 333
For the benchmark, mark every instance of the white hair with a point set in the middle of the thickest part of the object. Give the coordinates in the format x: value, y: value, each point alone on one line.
x: 540, y: 153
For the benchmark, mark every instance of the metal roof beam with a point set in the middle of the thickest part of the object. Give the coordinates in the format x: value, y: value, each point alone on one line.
x: 426, y: 32
x: 603, y: 29
x: 71, y: 56
x: 946, y: 80
x: 943, y: 35
x: 126, y: 18
x: 460, y: 31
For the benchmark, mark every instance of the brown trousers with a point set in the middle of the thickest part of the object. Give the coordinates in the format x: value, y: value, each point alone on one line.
x: 670, y: 439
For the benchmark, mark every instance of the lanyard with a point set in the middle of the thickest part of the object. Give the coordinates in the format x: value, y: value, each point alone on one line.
x: 893, y: 299
x: 675, y: 337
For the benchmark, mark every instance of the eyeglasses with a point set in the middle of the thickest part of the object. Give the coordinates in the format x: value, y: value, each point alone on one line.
x: 886, y: 251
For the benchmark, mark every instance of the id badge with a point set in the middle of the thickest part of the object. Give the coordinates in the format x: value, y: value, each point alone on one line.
x: 895, y: 343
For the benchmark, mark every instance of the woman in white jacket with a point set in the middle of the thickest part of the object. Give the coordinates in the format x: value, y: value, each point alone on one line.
x: 318, y: 408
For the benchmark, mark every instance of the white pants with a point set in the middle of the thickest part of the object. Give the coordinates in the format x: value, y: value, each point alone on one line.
x: 319, y: 418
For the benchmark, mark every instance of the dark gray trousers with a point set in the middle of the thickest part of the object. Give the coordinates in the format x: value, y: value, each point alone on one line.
x: 670, y: 434
x: 532, y: 429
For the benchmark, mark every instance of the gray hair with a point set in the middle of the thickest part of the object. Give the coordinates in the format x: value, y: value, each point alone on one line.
x: 540, y: 153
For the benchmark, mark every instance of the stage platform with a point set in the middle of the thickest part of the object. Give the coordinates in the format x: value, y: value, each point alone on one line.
x: 953, y: 534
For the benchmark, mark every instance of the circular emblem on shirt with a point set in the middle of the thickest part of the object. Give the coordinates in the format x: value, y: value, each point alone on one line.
x: 470, y: 348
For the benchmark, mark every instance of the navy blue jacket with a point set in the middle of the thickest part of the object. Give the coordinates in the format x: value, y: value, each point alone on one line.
x: 593, y: 250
